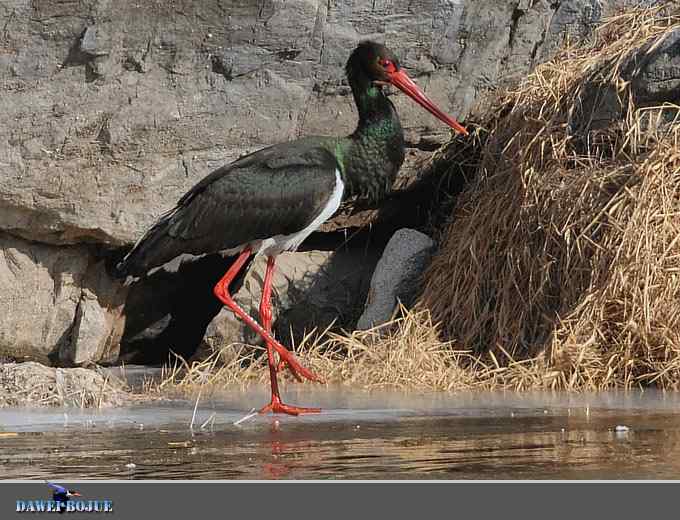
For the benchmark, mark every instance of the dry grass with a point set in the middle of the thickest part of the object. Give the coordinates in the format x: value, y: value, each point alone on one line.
x: 561, y: 265
x: 566, y: 249
x: 406, y: 353
x: 33, y: 384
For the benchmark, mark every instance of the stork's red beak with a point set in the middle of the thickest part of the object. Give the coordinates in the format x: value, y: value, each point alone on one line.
x: 401, y: 80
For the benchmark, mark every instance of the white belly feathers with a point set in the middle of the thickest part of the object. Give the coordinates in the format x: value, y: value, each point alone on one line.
x: 279, y: 243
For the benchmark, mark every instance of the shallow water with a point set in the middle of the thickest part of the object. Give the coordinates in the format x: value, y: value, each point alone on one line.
x: 383, y: 435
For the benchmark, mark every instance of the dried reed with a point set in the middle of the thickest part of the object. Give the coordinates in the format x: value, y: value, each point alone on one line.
x: 566, y: 249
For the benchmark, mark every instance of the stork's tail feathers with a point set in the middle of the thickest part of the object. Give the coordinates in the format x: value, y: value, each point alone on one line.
x: 154, y: 249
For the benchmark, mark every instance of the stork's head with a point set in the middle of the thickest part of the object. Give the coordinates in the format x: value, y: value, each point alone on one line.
x: 380, y: 66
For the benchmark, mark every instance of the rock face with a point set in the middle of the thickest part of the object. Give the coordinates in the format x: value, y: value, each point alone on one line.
x: 56, y: 302
x: 111, y: 110
x: 39, y: 291
x: 396, y: 276
x: 99, y: 324
x: 655, y: 72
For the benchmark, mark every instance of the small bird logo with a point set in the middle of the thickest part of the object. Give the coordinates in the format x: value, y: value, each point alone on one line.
x: 61, y: 495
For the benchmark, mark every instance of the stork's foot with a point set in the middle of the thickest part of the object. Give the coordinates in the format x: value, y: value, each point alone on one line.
x: 276, y: 406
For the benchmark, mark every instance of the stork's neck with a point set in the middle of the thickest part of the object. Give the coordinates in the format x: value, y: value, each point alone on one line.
x: 371, y: 102
x: 373, y: 154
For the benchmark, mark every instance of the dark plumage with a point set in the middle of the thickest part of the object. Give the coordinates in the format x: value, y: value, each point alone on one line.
x: 271, y: 200
x: 229, y: 208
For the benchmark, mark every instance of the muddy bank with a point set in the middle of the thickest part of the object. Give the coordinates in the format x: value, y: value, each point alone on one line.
x: 31, y: 384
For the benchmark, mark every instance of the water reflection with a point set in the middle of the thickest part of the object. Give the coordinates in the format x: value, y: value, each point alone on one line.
x: 457, y: 439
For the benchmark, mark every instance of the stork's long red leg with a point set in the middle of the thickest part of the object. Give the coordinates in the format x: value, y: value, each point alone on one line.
x: 266, y: 313
x: 221, y: 291
x: 275, y: 406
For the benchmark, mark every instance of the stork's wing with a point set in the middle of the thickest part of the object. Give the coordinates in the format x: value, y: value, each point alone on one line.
x: 276, y: 191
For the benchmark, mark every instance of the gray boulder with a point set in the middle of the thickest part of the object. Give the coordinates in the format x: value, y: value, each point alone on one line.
x: 98, y: 324
x: 655, y: 71
x: 57, y: 302
x: 397, y: 276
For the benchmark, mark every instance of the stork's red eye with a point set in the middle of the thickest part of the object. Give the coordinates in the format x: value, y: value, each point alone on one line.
x: 388, y: 65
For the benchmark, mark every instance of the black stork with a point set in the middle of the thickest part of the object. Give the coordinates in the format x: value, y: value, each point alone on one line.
x: 271, y: 200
